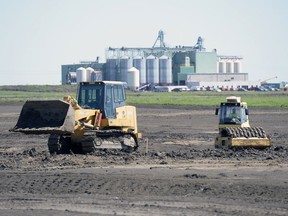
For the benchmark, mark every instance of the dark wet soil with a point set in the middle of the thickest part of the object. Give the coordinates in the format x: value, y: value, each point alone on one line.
x: 175, y: 171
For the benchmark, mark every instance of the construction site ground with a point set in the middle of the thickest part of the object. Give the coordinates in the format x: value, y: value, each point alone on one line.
x: 175, y: 171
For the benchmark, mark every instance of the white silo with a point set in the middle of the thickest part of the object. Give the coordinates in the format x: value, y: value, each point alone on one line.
x: 125, y: 65
x: 165, y: 70
x: 152, y: 69
x: 232, y: 66
x: 111, y: 69
x: 81, y: 75
x: 237, y: 66
x: 89, y: 71
x: 133, y: 81
x: 187, y: 61
x: 72, y: 78
x: 221, y: 67
x: 139, y: 62
x: 229, y: 67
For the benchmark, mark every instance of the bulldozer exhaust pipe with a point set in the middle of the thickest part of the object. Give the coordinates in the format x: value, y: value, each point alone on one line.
x: 46, y: 117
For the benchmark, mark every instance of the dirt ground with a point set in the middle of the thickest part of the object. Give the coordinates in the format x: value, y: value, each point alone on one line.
x: 176, y: 170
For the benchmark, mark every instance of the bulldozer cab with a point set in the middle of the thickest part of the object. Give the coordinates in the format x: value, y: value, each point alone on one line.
x: 103, y: 95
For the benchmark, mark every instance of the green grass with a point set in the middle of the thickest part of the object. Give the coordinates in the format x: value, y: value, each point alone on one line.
x: 46, y: 92
x: 40, y: 88
x: 19, y: 96
x: 35, y: 92
x: 254, y: 99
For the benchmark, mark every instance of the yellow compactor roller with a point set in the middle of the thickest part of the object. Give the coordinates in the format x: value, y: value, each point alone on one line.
x: 99, y: 119
x: 234, y: 126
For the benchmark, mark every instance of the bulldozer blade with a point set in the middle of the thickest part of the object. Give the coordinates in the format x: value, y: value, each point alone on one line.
x: 46, y: 117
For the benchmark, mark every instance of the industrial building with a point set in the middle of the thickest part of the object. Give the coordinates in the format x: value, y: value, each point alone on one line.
x: 161, y: 66
x: 69, y: 75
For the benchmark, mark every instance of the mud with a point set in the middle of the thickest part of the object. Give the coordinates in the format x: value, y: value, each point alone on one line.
x: 175, y: 171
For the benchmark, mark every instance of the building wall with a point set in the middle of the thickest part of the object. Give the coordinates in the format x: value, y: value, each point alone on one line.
x: 205, y: 62
x: 225, y: 85
x: 199, y: 62
x: 184, y: 79
x: 179, y: 58
x: 181, y: 79
x: 214, y: 77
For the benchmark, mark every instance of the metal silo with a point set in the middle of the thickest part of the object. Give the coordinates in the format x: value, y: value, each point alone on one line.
x: 140, y: 63
x: 111, y: 69
x: 229, y: 67
x: 72, y: 78
x: 133, y: 81
x: 81, y: 75
x: 89, y: 71
x: 221, y: 67
x: 165, y: 70
x: 152, y: 69
x: 237, y: 67
x: 187, y: 61
x: 125, y: 65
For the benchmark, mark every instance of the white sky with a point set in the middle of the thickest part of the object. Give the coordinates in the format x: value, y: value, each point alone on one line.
x: 38, y: 36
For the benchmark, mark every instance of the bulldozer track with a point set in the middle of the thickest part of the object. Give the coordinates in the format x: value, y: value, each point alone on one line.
x: 92, y: 140
x: 97, y: 139
x: 54, y: 144
x: 58, y: 144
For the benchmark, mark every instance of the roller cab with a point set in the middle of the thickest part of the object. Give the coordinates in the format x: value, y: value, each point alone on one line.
x: 234, y: 126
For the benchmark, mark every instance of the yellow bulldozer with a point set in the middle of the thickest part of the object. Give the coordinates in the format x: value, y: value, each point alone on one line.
x: 234, y: 127
x: 99, y: 118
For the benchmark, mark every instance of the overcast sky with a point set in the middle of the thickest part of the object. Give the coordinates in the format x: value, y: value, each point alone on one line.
x: 38, y: 36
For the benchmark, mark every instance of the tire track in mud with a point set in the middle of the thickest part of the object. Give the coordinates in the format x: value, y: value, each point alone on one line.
x: 31, y: 159
x: 180, y: 174
x: 131, y: 183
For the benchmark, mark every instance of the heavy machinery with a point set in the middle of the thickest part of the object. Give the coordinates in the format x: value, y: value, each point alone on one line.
x: 99, y: 119
x: 234, y: 127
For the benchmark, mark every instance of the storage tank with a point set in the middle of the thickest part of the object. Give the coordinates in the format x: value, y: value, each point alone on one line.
x: 187, y: 61
x: 133, y: 81
x: 111, y: 69
x: 89, y: 71
x: 152, y: 69
x: 221, y: 67
x: 229, y: 67
x: 237, y: 67
x: 125, y: 65
x: 165, y: 70
x: 139, y: 62
x: 71, y: 78
x: 81, y: 75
